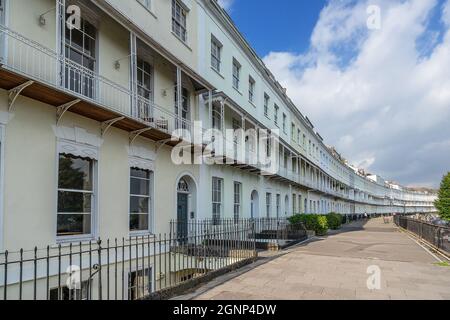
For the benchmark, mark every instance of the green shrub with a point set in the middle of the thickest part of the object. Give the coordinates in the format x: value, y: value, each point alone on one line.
x: 322, y: 226
x: 334, y: 221
x: 297, y: 218
x: 313, y: 222
x: 443, y: 201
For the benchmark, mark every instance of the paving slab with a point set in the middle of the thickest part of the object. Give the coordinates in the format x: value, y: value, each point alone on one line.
x: 336, y: 268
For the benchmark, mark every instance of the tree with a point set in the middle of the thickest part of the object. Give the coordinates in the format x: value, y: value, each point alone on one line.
x: 443, y: 201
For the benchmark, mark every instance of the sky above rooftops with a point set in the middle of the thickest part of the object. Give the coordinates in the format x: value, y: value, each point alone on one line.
x: 380, y: 95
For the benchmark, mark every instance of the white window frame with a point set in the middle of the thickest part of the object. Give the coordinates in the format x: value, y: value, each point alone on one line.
x: 286, y: 205
x: 3, y: 12
x: 3, y: 42
x: 237, y: 208
x: 147, y: 4
x: 293, y: 127
x: 278, y: 205
x: 251, y: 89
x: 236, y: 74
x: 216, y: 54
x: 268, y: 204
x: 86, y: 72
x: 182, y: 25
x: 94, y: 201
x: 4, y: 17
x: 141, y: 64
x: 216, y: 119
x: 266, y: 105
x: 284, y: 123
x: 145, y: 95
x: 299, y: 203
x: 268, y: 145
x: 151, y: 197
x: 294, y: 203
x: 69, y: 44
x: 276, y: 112
x: 217, y: 198
x: 183, y: 116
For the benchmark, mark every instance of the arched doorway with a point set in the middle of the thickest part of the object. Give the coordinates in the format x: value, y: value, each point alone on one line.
x: 186, y: 206
x: 254, y: 212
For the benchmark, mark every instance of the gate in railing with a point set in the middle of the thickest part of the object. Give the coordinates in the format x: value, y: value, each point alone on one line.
x: 125, y: 269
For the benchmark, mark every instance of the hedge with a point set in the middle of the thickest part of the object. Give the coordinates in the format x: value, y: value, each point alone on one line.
x: 334, y: 220
x: 317, y: 223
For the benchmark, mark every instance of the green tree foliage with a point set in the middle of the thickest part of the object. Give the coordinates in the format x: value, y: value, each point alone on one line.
x: 443, y: 201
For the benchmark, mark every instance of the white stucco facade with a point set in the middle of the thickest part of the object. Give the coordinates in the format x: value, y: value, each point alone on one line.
x: 33, y: 135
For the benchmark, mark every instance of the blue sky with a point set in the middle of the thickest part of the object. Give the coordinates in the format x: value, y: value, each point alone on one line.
x: 381, y: 96
x: 298, y: 16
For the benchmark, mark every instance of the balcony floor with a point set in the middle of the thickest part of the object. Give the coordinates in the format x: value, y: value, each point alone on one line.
x: 55, y: 97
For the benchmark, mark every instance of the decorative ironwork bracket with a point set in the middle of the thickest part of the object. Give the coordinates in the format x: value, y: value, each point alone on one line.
x: 108, y: 124
x: 61, y: 110
x: 161, y: 144
x: 135, y: 134
x: 14, y: 93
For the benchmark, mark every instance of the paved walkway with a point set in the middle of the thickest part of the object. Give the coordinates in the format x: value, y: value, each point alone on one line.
x: 335, y: 267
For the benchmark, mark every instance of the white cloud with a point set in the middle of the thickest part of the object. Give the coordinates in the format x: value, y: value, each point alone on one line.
x: 446, y: 13
x: 375, y: 88
x: 226, y: 4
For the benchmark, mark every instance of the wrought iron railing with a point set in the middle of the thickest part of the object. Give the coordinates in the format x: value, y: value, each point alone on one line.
x: 39, y: 63
x: 437, y: 236
x: 278, y: 230
x: 123, y: 269
x: 264, y: 230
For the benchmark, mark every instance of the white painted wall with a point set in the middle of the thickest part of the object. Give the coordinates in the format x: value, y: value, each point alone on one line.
x: 30, y: 178
x: 30, y: 143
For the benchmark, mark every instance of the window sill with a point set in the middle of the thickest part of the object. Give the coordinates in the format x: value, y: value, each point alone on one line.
x: 218, y: 72
x: 252, y: 103
x: 238, y: 91
x: 139, y: 234
x: 74, y: 239
x: 181, y: 40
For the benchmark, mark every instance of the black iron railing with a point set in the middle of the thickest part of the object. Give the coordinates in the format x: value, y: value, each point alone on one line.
x: 123, y: 269
x: 264, y: 230
x: 437, y: 236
